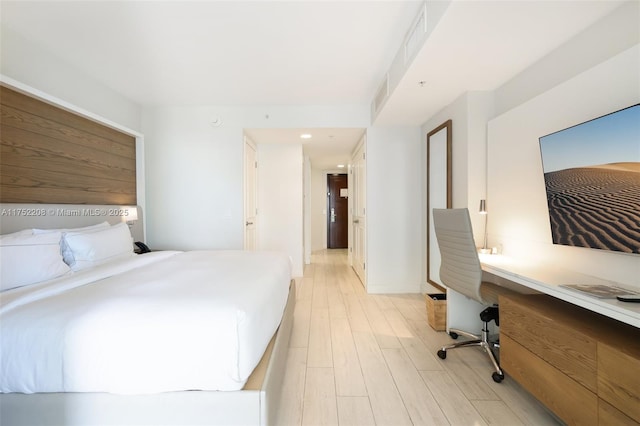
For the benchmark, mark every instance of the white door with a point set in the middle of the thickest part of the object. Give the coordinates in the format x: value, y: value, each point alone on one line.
x: 250, y: 195
x: 359, y: 225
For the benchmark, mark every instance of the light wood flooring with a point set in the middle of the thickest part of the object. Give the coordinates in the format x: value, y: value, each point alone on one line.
x: 360, y: 359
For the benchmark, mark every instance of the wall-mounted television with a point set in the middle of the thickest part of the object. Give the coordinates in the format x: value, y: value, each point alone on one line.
x: 592, y: 180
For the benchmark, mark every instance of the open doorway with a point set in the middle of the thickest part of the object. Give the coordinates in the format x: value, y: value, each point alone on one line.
x: 337, y: 211
x: 325, y: 151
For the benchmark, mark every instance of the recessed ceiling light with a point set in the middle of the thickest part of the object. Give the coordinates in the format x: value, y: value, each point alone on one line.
x: 341, y: 166
x: 305, y: 136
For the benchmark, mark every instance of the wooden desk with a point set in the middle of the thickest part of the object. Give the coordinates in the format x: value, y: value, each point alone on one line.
x: 578, y: 354
x: 583, y: 366
x: 547, y: 280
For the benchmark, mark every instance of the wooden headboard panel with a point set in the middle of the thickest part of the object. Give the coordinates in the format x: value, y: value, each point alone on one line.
x: 50, y: 155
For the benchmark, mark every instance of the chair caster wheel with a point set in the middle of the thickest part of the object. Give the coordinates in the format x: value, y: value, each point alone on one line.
x: 453, y: 335
x: 442, y: 354
x: 497, y: 377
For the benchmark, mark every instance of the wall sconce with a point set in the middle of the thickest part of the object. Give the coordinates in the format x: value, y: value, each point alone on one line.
x: 483, y: 207
x: 483, y: 211
x: 130, y: 215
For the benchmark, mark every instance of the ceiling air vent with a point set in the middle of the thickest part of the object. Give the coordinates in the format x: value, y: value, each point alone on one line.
x: 416, y: 36
x: 382, y: 94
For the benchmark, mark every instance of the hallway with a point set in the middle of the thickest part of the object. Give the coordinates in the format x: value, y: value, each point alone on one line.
x: 360, y: 359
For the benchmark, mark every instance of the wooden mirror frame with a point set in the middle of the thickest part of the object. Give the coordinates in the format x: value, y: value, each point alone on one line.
x: 438, y: 192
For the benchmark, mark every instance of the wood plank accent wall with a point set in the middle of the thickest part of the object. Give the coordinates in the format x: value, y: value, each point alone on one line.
x: 50, y: 155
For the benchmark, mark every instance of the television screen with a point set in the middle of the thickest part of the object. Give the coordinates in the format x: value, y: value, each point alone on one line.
x: 592, y: 180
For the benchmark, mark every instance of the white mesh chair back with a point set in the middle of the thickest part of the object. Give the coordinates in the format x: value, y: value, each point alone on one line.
x: 460, y: 267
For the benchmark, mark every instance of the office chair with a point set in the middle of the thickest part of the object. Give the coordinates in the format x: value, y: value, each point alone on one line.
x: 460, y: 271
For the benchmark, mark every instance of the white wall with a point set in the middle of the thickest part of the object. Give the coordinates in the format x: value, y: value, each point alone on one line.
x: 550, y: 91
x: 194, y: 171
x: 33, y: 69
x: 27, y: 63
x: 394, y: 226
x: 318, y: 213
x: 280, y: 177
x: 195, y: 179
x: 606, y: 38
x: 518, y: 218
x: 468, y: 114
x: 592, y: 74
x: 306, y: 211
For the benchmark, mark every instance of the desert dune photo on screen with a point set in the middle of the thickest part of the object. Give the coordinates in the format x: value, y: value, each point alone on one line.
x: 592, y: 182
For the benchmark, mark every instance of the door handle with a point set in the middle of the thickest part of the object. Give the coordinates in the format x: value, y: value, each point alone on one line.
x: 356, y: 221
x: 248, y: 223
x: 333, y: 215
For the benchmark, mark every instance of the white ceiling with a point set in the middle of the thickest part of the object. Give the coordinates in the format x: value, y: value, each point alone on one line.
x: 298, y: 52
x: 479, y: 45
x: 327, y: 148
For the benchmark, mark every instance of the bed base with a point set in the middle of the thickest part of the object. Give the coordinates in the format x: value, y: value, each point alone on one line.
x: 255, y: 406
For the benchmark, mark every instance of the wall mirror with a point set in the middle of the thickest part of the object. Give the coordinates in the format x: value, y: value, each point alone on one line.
x: 438, y: 192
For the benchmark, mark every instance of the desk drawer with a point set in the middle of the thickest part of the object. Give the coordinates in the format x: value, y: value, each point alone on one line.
x: 546, y: 334
x: 608, y: 415
x: 619, y: 379
x: 572, y: 402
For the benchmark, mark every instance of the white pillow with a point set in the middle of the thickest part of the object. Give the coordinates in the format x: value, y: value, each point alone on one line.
x: 92, y: 248
x: 18, y: 233
x: 66, y: 252
x: 89, y: 228
x: 29, y: 259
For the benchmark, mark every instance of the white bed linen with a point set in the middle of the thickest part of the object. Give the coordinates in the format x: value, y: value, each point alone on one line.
x: 163, y: 321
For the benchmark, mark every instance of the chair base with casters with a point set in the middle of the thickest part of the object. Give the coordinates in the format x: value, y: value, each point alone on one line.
x: 489, y: 314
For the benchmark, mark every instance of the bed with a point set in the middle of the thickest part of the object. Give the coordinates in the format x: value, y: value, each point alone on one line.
x: 164, y: 337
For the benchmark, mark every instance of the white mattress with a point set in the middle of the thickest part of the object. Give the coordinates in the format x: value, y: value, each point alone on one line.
x: 158, y: 322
